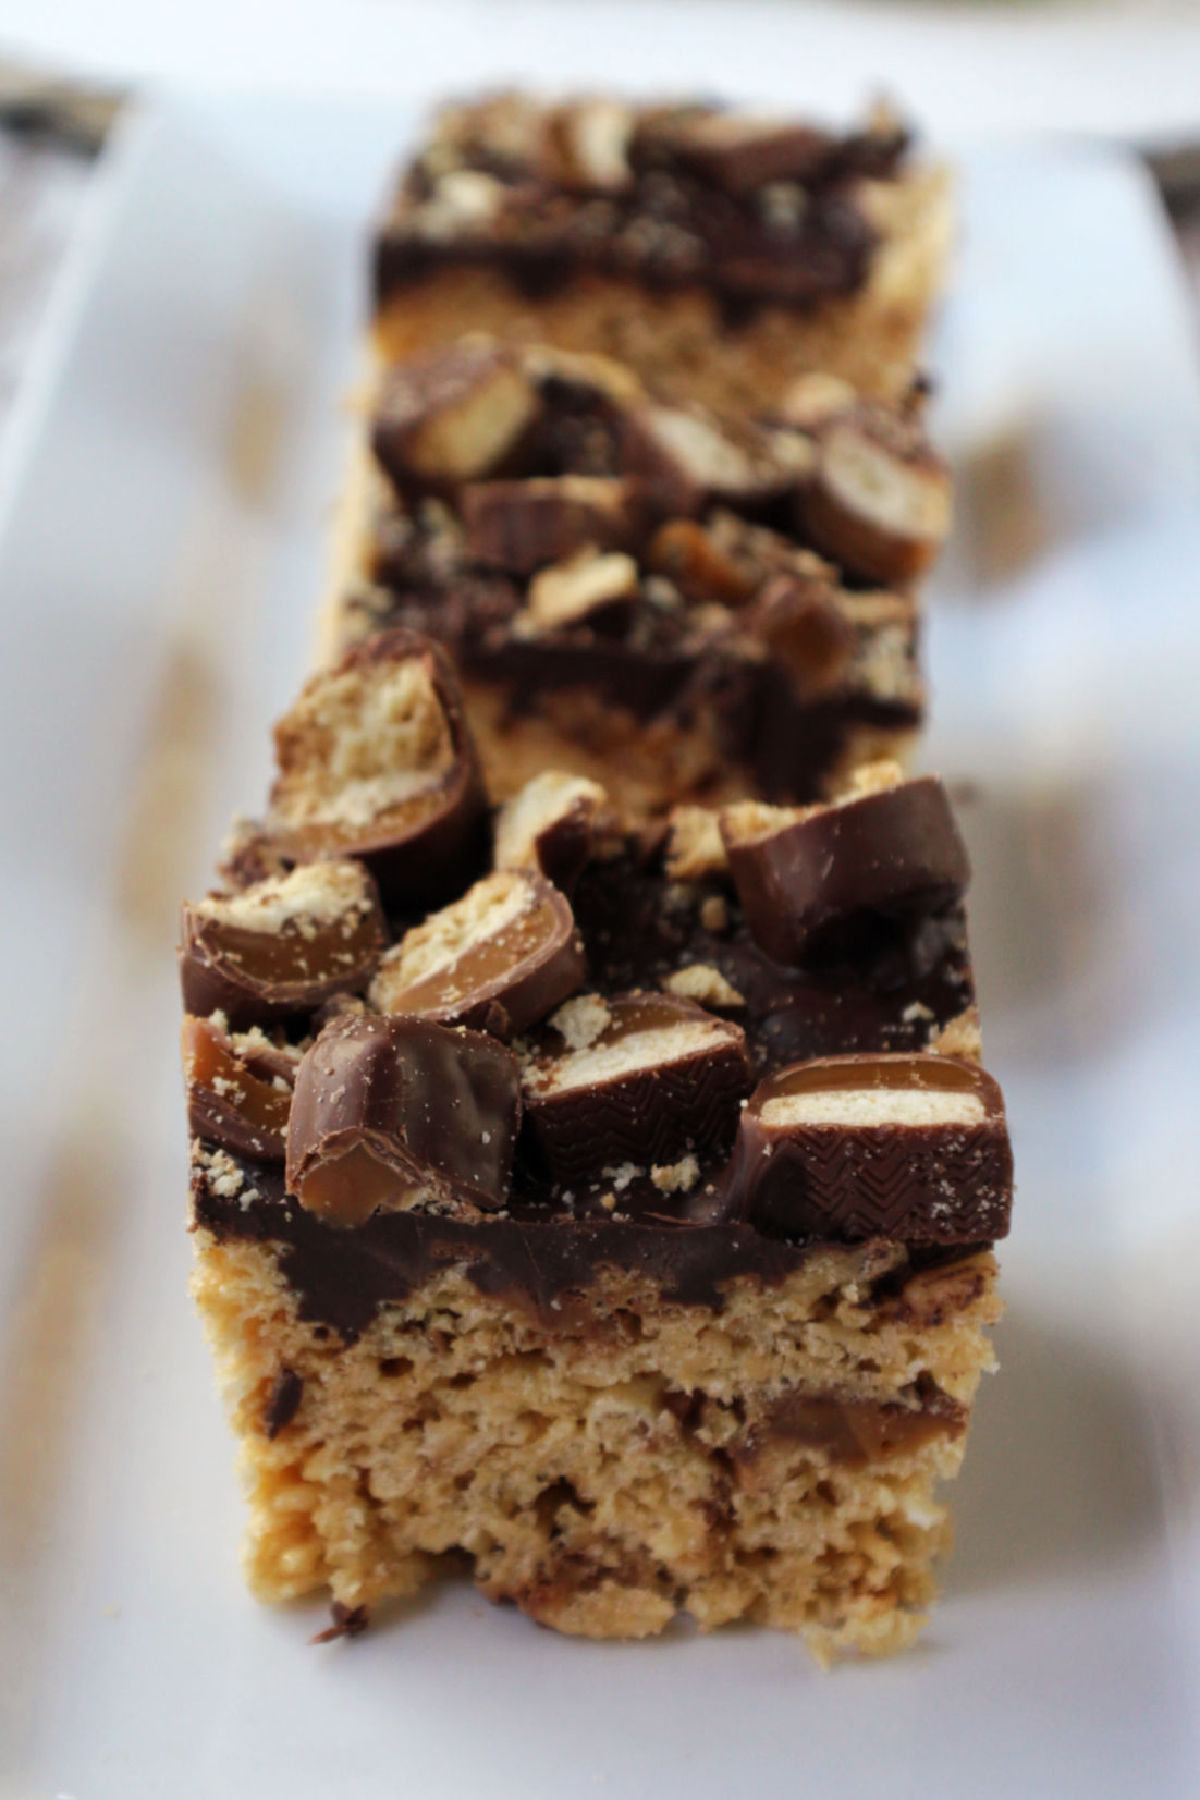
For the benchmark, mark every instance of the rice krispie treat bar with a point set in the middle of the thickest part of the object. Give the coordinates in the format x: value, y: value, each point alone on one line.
x: 717, y: 253
x: 609, y: 1206
x: 681, y: 604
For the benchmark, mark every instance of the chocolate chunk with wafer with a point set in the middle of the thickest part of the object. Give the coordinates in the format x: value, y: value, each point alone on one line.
x: 281, y: 946
x: 853, y: 1147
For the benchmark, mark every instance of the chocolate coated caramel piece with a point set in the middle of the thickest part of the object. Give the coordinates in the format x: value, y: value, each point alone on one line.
x: 520, y: 526
x: 452, y: 415
x: 637, y: 1079
x: 243, y: 1109
x: 911, y: 1147
x: 402, y: 1115
x: 879, y: 499
x: 806, y: 874
x: 376, y: 761
x: 282, y: 946
x: 503, y: 956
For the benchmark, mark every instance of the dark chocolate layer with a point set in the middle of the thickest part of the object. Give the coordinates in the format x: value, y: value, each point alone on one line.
x: 532, y: 1256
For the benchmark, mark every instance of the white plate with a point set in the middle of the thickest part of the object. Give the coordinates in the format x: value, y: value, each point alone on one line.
x: 159, y: 567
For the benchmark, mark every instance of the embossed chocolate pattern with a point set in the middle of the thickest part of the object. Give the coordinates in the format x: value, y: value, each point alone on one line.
x: 889, y: 852
x: 227, y: 1104
x: 913, y: 1147
x: 510, y: 942
x: 662, y: 1079
x: 401, y: 1114
x: 257, y: 974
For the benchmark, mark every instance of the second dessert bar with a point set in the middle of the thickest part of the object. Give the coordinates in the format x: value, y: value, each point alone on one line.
x: 613, y: 1207
x: 677, y: 603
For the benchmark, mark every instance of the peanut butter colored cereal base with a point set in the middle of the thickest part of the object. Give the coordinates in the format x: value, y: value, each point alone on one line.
x: 615, y: 1469
x: 679, y: 344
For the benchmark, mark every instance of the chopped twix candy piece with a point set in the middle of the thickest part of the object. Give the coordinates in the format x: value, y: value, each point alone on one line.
x: 741, y: 152
x: 452, y: 416
x: 587, y: 588
x: 555, y: 824
x: 879, y: 499
x: 402, y: 1115
x: 660, y: 1077
x: 805, y: 873
x: 281, y: 946
x: 231, y: 1101
x: 523, y: 525
x: 687, y: 459
x: 852, y: 1147
x: 375, y: 760
x: 503, y: 956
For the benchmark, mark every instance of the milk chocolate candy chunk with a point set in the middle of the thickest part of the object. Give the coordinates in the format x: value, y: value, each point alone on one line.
x: 507, y: 953
x: 686, y: 459
x: 740, y: 152
x: 911, y: 1147
x: 451, y: 415
x: 806, y: 874
x: 282, y: 946
x: 521, y: 526
x: 879, y: 499
x: 242, y: 1108
x: 556, y: 825
x: 639, y: 1079
x: 402, y: 1115
x: 375, y: 761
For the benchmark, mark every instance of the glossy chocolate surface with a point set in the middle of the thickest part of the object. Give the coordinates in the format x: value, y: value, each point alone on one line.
x: 393, y: 1113
x: 834, y: 869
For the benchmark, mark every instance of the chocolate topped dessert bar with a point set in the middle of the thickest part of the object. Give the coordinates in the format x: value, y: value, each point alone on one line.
x: 609, y: 1204
x: 680, y: 604
x: 717, y: 253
